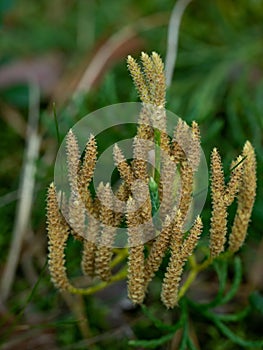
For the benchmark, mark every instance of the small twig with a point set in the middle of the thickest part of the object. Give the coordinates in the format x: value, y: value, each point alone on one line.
x: 26, y: 190
x: 77, y: 307
x: 172, y: 40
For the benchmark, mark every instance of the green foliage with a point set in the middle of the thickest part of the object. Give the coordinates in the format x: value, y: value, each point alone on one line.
x: 256, y: 301
x: 208, y: 312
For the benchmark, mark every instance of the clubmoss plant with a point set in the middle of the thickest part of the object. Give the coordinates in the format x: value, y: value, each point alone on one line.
x: 157, y: 185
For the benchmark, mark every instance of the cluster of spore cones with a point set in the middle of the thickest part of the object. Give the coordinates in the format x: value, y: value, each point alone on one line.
x: 148, y: 201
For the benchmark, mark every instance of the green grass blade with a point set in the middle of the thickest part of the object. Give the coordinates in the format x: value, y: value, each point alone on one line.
x: 158, y: 323
x: 151, y: 344
x: 236, y: 282
x: 234, y: 338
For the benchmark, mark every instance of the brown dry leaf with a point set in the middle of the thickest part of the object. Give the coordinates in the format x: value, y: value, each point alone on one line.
x: 127, y: 40
x: 93, y: 68
x: 45, y: 71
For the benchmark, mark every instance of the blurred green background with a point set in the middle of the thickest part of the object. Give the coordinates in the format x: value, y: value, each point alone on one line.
x: 48, y: 49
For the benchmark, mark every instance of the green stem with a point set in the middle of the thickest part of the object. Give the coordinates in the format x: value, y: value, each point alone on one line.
x: 93, y: 289
x: 157, y: 168
x: 190, y: 279
x: 196, y: 268
x: 121, y: 255
x: 56, y: 122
